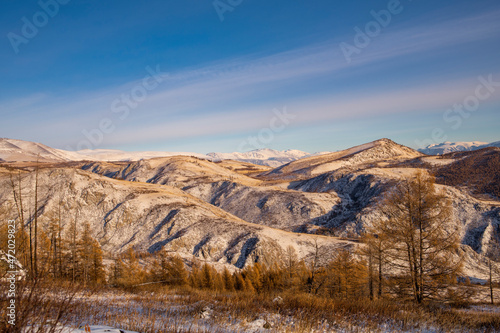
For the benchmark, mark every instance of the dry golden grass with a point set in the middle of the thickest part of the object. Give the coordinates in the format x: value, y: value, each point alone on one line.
x: 155, y: 308
x: 179, y: 310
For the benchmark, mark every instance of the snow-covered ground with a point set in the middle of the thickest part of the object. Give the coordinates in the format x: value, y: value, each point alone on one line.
x: 112, y: 312
x: 94, y: 329
x: 437, y: 161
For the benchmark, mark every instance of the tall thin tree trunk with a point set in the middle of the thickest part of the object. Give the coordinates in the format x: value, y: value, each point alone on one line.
x: 36, y: 221
x: 420, y: 242
x: 54, y: 259
x: 31, y: 247
x: 16, y: 201
x: 20, y: 196
x: 19, y: 204
x: 22, y: 214
x: 491, y: 283
x: 59, y: 236
x: 73, y: 249
x: 370, y: 273
x: 420, y: 263
x: 380, y: 271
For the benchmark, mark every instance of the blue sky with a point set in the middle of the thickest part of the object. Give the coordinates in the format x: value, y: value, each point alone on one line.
x: 82, y: 78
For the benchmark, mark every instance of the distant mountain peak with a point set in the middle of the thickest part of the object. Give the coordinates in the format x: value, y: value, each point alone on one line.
x: 384, y: 141
x: 262, y: 156
x: 451, y: 147
x: 26, y: 151
x: 18, y: 150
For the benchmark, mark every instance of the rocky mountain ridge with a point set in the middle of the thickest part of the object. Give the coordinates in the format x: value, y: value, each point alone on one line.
x: 227, y: 210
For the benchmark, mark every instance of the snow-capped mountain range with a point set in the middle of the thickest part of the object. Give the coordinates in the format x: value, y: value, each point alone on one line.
x: 451, y: 147
x: 19, y: 150
x: 235, y: 213
x: 265, y: 156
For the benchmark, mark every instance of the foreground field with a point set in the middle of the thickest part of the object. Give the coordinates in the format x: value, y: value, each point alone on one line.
x: 66, y: 309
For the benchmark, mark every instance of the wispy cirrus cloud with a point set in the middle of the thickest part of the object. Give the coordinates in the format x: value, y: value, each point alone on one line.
x: 415, y: 38
x: 424, y: 99
x: 234, y: 95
